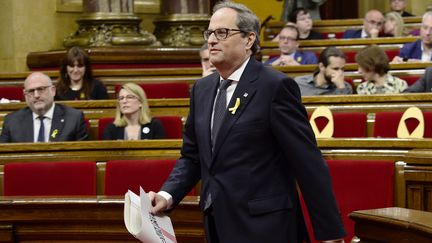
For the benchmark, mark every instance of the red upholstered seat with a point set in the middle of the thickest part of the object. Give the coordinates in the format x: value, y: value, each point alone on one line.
x: 124, y: 175
x: 173, y: 126
x: 386, y: 124
x: 12, y: 93
x: 50, y: 178
x: 346, y: 124
x: 163, y: 90
x: 359, y: 185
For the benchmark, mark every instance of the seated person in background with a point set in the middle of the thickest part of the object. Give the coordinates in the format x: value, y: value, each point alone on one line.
x: 76, y: 80
x: 394, y: 25
x: 373, y: 65
x: 133, y: 120
x: 290, y: 55
x: 424, y: 84
x: 207, y: 66
x: 304, y: 23
x: 421, y: 49
x: 373, y: 24
x: 43, y: 120
x: 399, y: 7
x: 328, y: 79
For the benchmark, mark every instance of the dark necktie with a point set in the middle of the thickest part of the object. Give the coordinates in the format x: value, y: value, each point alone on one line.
x: 219, y: 108
x: 41, y: 136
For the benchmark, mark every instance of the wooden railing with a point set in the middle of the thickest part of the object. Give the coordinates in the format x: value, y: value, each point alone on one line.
x: 413, y: 189
x: 396, y: 225
x: 85, y: 219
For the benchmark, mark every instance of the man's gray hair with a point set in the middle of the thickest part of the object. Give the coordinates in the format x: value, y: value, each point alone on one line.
x: 246, y: 20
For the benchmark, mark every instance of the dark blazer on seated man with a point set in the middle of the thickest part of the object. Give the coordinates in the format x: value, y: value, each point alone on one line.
x: 352, y: 34
x: 67, y: 124
x: 43, y: 120
x: 424, y: 84
x: 412, y: 50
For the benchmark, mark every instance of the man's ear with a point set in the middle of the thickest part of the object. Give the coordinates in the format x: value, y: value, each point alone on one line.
x: 321, y: 66
x: 250, y: 40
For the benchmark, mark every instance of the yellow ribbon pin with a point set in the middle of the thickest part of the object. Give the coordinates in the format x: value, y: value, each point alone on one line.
x: 234, y: 108
x: 54, y: 133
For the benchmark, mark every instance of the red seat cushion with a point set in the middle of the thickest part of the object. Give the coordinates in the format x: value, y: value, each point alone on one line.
x: 124, y: 175
x: 50, y: 178
x: 346, y: 124
x: 359, y: 185
x: 163, y: 90
x: 386, y: 124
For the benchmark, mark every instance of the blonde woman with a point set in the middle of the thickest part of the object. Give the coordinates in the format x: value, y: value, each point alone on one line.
x: 394, y: 25
x: 133, y: 120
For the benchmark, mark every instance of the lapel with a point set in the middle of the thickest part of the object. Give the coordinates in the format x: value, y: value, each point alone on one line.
x: 28, y: 122
x: 244, y: 92
x: 57, y: 123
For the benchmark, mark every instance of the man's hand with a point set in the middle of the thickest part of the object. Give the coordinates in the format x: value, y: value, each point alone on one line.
x: 285, y: 61
x: 159, y: 203
x: 397, y: 59
x: 337, y: 78
x: 374, y: 33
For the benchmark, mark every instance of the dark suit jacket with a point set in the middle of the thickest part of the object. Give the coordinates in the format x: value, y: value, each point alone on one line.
x: 68, y: 124
x: 424, y: 84
x: 152, y: 130
x: 352, y: 34
x: 411, y: 50
x: 260, y: 152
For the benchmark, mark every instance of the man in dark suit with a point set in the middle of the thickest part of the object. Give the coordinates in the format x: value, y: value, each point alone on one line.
x: 250, y: 162
x: 43, y: 120
x: 424, y: 84
x: 421, y: 49
x: 373, y: 24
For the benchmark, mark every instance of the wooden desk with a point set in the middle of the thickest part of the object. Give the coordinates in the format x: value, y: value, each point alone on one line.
x: 92, y: 219
x: 395, y: 225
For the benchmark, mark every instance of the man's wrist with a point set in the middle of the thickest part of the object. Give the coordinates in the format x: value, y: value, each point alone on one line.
x: 167, y: 197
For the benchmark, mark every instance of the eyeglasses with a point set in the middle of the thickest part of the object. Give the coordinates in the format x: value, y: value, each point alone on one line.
x: 127, y: 97
x: 40, y: 90
x: 284, y: 38
x: 373, y: 22
x: 220, y: 34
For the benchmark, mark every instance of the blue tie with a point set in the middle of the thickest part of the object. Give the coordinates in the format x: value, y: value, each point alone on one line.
x: 219, y: 108
x: 41, y: 136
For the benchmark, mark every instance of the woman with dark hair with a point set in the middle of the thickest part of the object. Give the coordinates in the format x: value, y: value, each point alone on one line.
x: 373, y: 65
x: 76, y: 80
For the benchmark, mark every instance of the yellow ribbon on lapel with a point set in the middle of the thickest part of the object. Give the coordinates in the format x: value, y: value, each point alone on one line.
x: 234, y: 108
x: 54, y: 133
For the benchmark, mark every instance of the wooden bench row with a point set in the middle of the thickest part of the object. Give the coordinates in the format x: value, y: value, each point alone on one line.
x: 93, y: 110
x: 413, y: 186
x: 333, y: 26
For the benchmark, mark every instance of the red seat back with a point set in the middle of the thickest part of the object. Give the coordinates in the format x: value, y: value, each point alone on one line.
x: 163, y: 90
x: 50, y: 178
x: 173, y: 126
x: 124, y: 175
x: 359, y: 185
x: 386, y: 124
x: 12, y: 93
x: 346, y: 124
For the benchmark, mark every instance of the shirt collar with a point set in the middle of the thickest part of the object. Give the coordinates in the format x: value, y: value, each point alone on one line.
x: 364, y: 34
x: 236, y: 75
x: 49, y: 114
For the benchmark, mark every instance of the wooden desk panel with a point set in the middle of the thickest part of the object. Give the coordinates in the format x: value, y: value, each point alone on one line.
x: 93, y: 219
x: 395, y: 225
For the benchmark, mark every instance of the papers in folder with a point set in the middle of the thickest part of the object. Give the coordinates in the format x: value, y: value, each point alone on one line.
x: 142, y: 224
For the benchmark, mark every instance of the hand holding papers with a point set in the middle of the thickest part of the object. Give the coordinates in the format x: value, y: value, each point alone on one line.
x: 143, y: 225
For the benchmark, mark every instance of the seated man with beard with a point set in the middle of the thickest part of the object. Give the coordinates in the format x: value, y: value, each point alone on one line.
x: 328, y: 79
